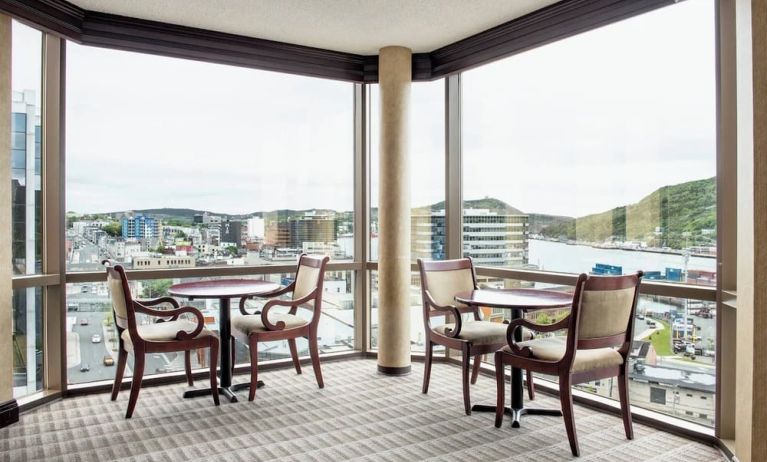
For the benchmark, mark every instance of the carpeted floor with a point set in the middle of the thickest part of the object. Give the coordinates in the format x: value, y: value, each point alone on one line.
x: 358, y: 416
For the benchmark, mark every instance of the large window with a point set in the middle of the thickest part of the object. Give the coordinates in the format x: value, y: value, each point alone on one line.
x: 175, y: 164
x: 597, y: 154
x: 26, y: 236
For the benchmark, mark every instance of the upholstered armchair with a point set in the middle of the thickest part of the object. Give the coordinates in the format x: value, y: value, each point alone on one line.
x: 169, y: 333
x: 440, y: 282
x: 269, y: 325
x: 599, y: 333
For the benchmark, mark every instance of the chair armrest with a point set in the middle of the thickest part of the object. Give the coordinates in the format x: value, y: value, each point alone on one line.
x: 172, y: 301
x: 452, y: 333
x: 526, y: 352
x: 291, y: 303
x: 274, y: 293
x: 175, y: 313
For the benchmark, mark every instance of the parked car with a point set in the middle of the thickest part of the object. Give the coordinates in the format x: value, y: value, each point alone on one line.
x: 640, y: 316
x: 95, y: 338
x: 651, y: 324
x: 84, y: 367
x: 109, y: 361
x: 83, y: 321
x: 690, y: 351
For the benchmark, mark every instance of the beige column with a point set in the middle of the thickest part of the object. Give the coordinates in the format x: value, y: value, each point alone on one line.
x: 751, y: 350
x: 394, y: 71
x: 6, y: 352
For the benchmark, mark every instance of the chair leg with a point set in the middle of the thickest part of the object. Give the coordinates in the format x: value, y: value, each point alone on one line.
x: 314, y: 352
x: 530, y: 387
x: 294, y: 355
x: 138, y: 376
x: 500, y: 387
x: 623, y: 391
x: 188, y: 367
x: 475, y: 370
x: 427, y: 366
x: 253, y: 346
x: 465, y: 375
x: 566, y: 398
x: 122, y: 358
x: 213, y: 364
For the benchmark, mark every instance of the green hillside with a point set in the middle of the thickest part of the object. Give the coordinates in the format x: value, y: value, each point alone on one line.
x: 676, y: 216
x: 486, y: 203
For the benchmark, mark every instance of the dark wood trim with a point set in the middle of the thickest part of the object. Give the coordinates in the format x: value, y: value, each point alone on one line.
x: 557, y: 21
x: 56, y: 16
x: 9, y: 413
x: 386, y: 370
x: 560, y: 20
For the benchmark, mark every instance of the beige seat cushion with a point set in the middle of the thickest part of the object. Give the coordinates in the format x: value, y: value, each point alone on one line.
x: 163, y: 332
x: 482, y: 332
x: 553, y: 349
x: 245, y: 324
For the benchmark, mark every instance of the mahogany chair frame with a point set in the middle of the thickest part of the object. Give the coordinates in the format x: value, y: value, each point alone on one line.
x: 184, y: 341
x: 522, y: 357
x: 279, y: 332
x: 451, y: 339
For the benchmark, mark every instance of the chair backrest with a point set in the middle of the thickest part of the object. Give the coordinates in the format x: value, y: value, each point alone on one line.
x: 443, y: 279
x: 310, y: 274
x: 119, y: 291
x: 604, y: 309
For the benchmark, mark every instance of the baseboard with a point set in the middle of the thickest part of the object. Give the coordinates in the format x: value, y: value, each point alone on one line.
x: 9, y: 413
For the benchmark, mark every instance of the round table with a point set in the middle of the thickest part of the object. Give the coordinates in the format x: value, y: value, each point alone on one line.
x: 224, y: 290
x: 518, y: 301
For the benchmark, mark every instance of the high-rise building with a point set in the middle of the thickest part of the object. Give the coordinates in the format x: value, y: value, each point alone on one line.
x: 311, y: 227
x: 491, y: 238
x: 231, y: 232
x: 140, y: 227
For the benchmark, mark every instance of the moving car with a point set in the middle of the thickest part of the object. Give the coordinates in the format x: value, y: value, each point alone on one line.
x: 83, y: 321
x: 84, y: 367
x: 95, y: 338
x: 109, y: 361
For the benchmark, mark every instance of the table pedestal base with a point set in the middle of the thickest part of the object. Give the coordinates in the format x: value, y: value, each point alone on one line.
x: 516, y: 414
x: 228, y: 392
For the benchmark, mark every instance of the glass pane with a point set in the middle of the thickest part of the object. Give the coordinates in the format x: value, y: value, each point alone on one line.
x: 26, y: 84
x: 93, y: 343
x: 597, y: 153
x: 27, y: 341
x: 166, y: 170
x: 427, y: 169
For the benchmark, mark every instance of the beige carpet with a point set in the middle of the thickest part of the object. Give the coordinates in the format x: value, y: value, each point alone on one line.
x: 358, y: 416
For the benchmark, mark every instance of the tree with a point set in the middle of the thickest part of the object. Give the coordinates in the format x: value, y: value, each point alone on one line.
x: 114, y: 229
x: 233, y: 251
x: 156, y: 288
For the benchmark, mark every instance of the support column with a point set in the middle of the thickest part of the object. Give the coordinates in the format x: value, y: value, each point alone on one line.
x: 751, y: 348
x: 395, y: 74
x: 6, y: 352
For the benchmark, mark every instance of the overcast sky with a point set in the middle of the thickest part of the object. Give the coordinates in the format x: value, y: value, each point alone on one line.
x: 574, y: 127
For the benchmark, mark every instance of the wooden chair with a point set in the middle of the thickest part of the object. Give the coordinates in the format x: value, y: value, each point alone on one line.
x: 263, y: 326
x: 169, y: 333
x: 598, y: 342
x: 440, y: 281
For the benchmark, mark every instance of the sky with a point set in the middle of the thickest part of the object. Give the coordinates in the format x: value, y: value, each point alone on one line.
x: 574, y: 127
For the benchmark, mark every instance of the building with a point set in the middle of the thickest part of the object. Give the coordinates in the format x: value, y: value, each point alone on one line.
x: 311, y: 227
x: 140, y: 227
x: 231, y: 232
x: 255, y: 228
x: 163, y: 262
x: 491, y: 238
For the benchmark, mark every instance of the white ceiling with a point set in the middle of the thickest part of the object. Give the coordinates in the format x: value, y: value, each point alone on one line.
x: 354, y: 26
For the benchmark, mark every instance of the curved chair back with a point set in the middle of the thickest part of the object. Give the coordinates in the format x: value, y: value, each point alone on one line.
x: 310, y: 274
x: 604, y: 310
x: 443, y: 279
x: 122, y: 301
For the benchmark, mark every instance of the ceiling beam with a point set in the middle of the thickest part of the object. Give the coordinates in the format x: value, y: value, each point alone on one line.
x: 554, y: 22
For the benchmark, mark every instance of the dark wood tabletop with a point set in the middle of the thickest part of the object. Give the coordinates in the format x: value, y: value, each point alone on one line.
x: 526, y: 299
x: 222, y: 288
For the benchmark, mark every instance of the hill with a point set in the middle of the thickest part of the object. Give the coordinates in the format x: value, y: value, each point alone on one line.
x: 676, y: 216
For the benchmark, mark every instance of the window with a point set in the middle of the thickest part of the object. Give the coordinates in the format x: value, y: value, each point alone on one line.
x: 658, y: 396
x: 172, y: 158
x: 597, y: 153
